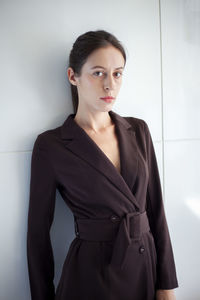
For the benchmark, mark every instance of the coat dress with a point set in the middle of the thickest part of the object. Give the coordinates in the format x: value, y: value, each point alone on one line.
x: 110, y: 257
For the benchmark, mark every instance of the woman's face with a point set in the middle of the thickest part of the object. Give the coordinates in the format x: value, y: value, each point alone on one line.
x: 101, y: 76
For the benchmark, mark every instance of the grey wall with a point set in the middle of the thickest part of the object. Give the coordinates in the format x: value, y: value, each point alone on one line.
x: 160, y: 85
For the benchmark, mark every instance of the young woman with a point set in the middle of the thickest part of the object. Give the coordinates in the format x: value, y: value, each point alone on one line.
x: 105, y: 168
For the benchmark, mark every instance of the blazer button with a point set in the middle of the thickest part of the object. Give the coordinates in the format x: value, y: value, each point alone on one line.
x: 114, y: 218
x: 141, y: 249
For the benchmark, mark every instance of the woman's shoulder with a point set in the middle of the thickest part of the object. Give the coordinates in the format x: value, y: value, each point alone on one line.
x: 137, y: 123
x: 47, y: 137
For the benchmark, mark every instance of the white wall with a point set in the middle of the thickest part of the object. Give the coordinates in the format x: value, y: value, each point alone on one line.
x: 160, y: 85
x: 180, y: 23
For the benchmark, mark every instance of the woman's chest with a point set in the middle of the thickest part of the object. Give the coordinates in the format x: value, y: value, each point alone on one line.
x: 109, y: 145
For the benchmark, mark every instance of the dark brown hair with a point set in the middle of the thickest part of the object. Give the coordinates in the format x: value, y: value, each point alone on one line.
x: 84, y: 45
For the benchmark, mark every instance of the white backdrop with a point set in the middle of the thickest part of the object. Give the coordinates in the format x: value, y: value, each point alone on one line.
x: 160, y: 85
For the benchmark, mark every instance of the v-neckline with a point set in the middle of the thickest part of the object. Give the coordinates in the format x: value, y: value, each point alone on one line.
x: 80, y: 143
x: 101, y: 151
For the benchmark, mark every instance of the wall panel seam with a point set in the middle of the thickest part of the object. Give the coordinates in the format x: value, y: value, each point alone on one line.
x: 161, y: 95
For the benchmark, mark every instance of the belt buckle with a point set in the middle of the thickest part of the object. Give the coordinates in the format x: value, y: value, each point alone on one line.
x: 134, y: 230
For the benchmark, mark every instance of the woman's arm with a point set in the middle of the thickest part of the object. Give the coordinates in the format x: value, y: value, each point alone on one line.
x: 165, y: 295
x: 40, y: 217
x: 166, y: 271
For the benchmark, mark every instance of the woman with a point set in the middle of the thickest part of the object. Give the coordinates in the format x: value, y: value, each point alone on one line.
x: 105, y: 168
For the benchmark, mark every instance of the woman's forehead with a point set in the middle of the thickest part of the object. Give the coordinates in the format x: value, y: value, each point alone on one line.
x: 105, y: 57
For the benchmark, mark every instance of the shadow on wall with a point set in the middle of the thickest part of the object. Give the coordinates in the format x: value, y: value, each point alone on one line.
x: 62, y: 233
x: 185, y: 243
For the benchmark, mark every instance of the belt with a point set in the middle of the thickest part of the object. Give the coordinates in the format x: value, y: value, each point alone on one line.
x: 123, y: 231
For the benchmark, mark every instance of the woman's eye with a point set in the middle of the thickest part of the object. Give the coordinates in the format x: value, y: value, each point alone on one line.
x: 98, y: 72
x: 120, y: 74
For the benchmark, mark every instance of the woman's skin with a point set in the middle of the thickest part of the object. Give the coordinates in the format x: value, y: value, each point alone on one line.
x: 165, y: 295
x: 92, y: 113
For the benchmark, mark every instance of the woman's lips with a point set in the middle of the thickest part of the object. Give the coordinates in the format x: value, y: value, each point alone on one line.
x: 107, y: 99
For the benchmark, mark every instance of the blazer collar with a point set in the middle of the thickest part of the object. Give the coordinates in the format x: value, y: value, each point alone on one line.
x: 79, y: 142
x: 69, y: 127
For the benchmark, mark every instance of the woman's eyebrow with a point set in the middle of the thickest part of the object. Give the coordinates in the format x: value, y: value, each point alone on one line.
x: 104, y: 68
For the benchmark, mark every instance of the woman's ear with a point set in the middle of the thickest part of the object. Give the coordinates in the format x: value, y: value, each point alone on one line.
x: 71, y: 76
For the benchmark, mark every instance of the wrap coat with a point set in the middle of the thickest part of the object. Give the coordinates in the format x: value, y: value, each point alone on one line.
x: 109, y: 258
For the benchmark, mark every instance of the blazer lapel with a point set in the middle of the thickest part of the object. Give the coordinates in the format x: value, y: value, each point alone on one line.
x: 80, y: 143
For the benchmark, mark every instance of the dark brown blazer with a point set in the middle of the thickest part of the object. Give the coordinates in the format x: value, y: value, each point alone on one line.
x: 102, y: 201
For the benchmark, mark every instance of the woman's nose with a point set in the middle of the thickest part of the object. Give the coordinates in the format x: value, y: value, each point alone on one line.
x: 109, y: 83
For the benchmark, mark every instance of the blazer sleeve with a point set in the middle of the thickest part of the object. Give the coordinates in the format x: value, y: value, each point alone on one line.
x: 166, y: 271
x: 40, y: 217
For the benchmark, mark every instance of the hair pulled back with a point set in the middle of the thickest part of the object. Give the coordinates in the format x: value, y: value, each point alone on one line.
x: 84, y: 45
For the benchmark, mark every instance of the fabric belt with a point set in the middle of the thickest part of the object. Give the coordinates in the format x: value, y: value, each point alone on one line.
x: 123, y: 231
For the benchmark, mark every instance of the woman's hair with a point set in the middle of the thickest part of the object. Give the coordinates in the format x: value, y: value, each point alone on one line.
x: 84, y: 45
